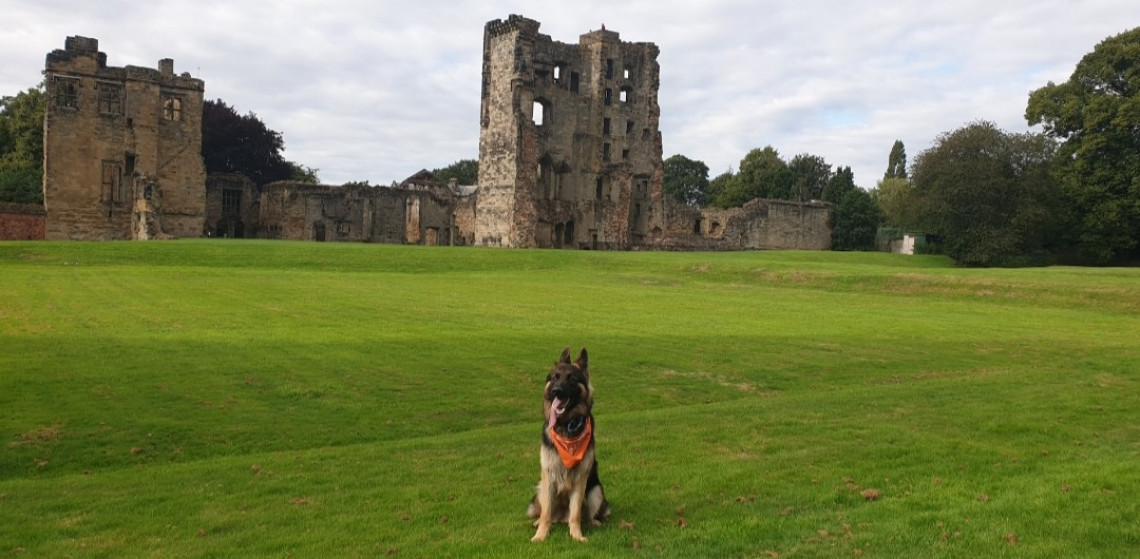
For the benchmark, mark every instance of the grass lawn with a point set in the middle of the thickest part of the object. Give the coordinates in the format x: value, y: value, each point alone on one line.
x: 282, y: 399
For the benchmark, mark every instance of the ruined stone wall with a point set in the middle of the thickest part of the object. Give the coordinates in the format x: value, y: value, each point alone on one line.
x: 758, y: 224
x: 569, y: 153
x: 465, y: 219
x: 122, y: 148
x: 312, y: 212
x: 21, y: 222
x: 233, y: 207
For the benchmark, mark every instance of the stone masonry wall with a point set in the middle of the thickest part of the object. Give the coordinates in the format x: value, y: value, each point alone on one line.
x: 569, y: 152
x: 122, y: 148
x: 293, y: 210
x: 21, y: 222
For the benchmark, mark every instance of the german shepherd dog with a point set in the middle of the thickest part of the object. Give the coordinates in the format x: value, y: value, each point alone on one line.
x: 569, y: 490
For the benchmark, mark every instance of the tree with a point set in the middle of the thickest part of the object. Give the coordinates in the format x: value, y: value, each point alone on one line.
x: 896, y: 199
x: 233, y: 143
x: 842, y: 182
x: 989, y: 195
x: 464, y: 171
x: 686, y: 180
x: 718, y: 186
x: 1097, y: 115
x: 810, y: 175
x: 22, y: 146
x: 896, y: 162
x: 304, y: 173
x: 855, y: 221
x: 762, y: 174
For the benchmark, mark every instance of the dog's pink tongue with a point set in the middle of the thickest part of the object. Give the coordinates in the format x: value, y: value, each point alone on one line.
x: 553, y: 413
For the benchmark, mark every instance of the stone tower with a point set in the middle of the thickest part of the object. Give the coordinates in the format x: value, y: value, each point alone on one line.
x: 122, y: 148
x: 569, y: 147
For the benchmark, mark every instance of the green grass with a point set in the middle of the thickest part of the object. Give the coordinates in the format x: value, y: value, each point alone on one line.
x: 275, y: 399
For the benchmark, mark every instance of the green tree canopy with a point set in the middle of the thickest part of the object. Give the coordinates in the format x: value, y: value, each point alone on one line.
x: 762, y: 174
x: 464, y: 171
x: 855, y: 221
x: 304, y: 173
x: 718, y: 186
x: 989, y: 194
x: 1097, y: 115
x: 22, y: 146
x: 686, y: 180
x: 810, y: 175
x: 233, y: 143
x: 896, y: 199
x: 842, y: 182
x: 896, y: 162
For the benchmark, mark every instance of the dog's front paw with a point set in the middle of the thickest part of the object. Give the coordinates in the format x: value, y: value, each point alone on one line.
x: 579, y: 538
x: 541, y: 534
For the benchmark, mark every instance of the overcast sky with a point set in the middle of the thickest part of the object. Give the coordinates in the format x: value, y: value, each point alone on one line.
x: 376, y: 90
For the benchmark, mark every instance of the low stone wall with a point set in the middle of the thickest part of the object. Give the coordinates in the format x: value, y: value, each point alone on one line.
x: 22, y: 222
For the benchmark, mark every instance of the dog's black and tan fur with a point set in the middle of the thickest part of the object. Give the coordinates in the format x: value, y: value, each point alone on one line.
x: 572, y: 495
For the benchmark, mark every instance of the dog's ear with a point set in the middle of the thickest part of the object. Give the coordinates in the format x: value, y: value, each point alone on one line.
x: 583, y: 360
x: 565, y: 355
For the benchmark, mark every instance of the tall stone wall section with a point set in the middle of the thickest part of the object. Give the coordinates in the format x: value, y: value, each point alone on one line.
x: 569, y: 148
x: 122, y: 148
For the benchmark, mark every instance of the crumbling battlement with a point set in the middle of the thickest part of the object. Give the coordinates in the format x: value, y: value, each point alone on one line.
x: 569, y: 151
x: 122, y: 148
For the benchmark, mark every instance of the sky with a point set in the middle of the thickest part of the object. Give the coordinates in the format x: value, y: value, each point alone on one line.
x: 376, y: 90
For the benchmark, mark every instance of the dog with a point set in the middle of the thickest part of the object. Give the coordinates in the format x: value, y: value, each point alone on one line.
x: 569, y: 490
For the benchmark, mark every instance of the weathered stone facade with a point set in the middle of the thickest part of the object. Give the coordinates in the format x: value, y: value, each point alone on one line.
x: 122, y: 148
x: 419, y: 210
x: 569, y: 148
x: 759, y: 224
x: 570, y: 155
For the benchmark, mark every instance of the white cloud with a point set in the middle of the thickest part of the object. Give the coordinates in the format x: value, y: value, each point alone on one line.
x: 377, y: 90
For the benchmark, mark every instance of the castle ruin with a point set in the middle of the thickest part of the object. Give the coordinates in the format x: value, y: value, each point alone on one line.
x: 569, y: 157
x: 122, y: 148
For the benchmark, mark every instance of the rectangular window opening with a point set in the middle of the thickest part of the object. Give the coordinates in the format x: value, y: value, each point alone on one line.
x: 66, y: 92
x: 231, y: 203
x: 110, y: 98
x: 606, y: 125
x: 574, y: 82
x: 609, y: 67
x: 112, y: 183
x: 172, y: 109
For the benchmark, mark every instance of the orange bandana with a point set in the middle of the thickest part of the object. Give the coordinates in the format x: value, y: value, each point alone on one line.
x: 573, y: 450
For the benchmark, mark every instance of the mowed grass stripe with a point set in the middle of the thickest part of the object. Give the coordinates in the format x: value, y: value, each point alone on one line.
x: 787, y: 468
x: 747, y: 400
